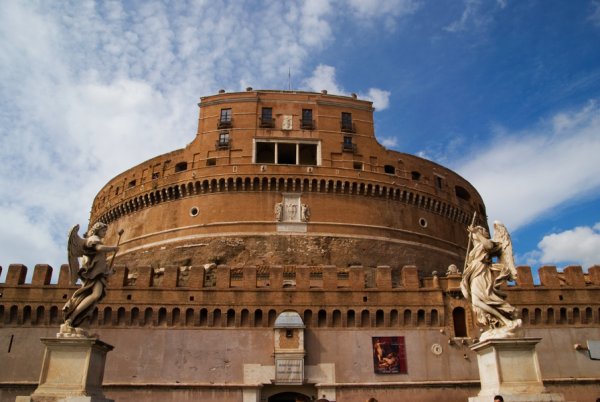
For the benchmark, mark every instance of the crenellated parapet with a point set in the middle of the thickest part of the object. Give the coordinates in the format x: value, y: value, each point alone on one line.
x: 326, y: 296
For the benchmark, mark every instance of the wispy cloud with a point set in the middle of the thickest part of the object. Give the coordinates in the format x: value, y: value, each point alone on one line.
x: 524, y: 175
x: 476, y: 14
x: 594, y: 16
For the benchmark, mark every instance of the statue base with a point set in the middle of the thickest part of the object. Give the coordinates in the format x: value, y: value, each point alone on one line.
x: 510, y: 367
x: 72, y: 371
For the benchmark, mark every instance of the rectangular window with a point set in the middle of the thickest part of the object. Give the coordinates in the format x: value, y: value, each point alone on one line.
x: 307, y: 120
x: 439, y: 182
x: 347, y: 122
x: 265, y: 152
x: 155, y: 175
x: 266, y: 117
x: 225, y: 120
x: 286, y: 153
x: 308, y: 154
x: 223, y: 141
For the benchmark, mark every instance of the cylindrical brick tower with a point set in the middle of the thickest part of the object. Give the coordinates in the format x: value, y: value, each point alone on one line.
x: 289, y: 178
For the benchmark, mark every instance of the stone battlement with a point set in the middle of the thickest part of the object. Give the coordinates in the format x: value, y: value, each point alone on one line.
x: 297, y: 276
x: 325, y: 296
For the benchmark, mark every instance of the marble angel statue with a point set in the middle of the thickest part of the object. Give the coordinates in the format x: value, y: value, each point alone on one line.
x: 490, y: 263
x: 93, y: 273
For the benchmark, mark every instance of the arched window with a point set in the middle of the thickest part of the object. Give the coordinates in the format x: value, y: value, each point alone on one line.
x: 135, y: 316
x: 434, y: 318
x: 148, y: 317
x: 322, y: 319
x: 162, y: 317
x: 460, y: 322
x: 407, y: 317
x: 351, y: 318
x: 258, y: 318
x: 337, y: 318
x: 231, y: 317
x: 365, y: 319
x: 379, y: 318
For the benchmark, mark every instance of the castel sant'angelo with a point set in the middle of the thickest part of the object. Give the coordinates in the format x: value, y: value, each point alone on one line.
x: 285, y: 255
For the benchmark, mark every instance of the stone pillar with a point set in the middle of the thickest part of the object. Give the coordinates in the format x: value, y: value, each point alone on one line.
x: 72, y: 371
x: 510, y: 367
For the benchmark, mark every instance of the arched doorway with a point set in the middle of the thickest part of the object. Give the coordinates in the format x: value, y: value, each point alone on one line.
x: 288, y: 397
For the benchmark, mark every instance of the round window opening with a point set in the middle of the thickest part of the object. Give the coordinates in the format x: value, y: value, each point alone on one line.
x: 423, y: 222
x: 194, y: 211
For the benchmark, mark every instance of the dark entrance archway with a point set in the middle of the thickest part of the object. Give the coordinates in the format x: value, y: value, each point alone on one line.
x: 289, y: 397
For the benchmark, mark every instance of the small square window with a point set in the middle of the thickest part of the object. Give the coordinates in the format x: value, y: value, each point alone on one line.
x: 358, y: 166
x: 155, y: 175
x: 211, y: 161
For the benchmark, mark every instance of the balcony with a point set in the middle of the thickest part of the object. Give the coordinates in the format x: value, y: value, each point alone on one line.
x: 347, y: 127
x: 223, y: 143
x: 266, y: 122
x: 307, y: 124
x: 349, y: 147
x: 225, y: 123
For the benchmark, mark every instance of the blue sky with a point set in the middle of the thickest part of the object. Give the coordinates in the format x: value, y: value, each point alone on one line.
x: 504, y: 92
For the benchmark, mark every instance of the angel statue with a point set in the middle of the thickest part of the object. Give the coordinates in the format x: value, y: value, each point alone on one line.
x: 93, y: 273
x: 483, y: 277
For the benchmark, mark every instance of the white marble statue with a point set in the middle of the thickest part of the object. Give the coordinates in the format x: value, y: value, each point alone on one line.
x: 305, y: 213
x: 279, y: 212
x: 482, y: 278
x: 93, y: 273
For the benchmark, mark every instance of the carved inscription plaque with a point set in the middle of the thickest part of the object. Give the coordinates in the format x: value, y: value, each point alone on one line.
x: 289, y: 371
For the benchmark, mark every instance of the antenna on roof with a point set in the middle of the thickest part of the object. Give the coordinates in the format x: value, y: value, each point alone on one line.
x: 289, y: 79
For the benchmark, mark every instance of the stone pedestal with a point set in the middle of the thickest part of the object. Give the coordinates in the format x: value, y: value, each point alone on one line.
x: 510, y: 367
x: 72, y: 371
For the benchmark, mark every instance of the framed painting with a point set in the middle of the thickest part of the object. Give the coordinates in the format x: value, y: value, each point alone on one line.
x: 389, y: 355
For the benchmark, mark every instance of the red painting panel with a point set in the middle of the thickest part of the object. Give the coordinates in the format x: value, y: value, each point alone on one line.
x: 389, y: 355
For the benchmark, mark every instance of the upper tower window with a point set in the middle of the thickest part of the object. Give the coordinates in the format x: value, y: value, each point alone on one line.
x: 226, y: 119
x: 223, y: 141
x: 266, y: 117
x: 307, y: 122
x: 347, y: 124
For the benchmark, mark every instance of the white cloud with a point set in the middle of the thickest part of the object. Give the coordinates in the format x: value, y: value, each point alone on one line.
x: 594, y: 16
x: 323, y: 78
x: 379, y: 97
x: 523, y: 175
x: 388, y: 142
x: 580, y: 245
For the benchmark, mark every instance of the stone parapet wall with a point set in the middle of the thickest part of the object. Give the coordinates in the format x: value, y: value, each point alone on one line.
x: 325, y: 296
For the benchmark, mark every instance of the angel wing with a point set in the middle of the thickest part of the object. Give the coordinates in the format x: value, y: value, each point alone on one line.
x: 506, y: 258
x: 74, y: 251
